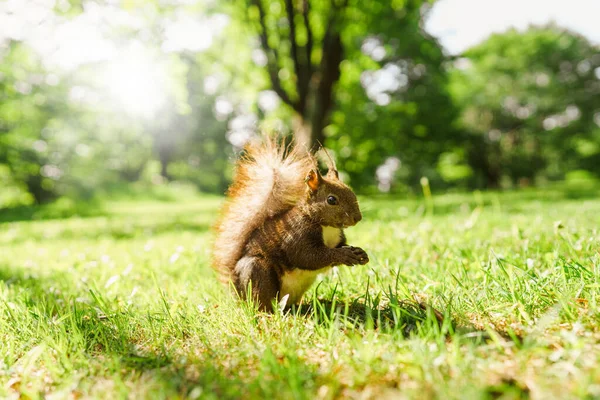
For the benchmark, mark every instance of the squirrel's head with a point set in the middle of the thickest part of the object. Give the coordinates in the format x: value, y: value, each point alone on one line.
x: 330, y: 201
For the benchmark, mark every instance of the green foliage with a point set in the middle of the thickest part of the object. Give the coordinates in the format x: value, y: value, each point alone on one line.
x: 122, y: 303
x: 411, y: 120
x: 27, y: 105
x: 13, y: 193
x: 414, y: 120
x: 530, y: 101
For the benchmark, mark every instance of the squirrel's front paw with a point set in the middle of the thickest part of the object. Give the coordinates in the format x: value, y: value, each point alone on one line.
x: 354, y: 256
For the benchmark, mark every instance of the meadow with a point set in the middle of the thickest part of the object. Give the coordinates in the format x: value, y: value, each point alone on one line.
x: 479, y: 295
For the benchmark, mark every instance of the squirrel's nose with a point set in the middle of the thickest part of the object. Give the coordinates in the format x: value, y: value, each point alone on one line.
x: 357, y: 218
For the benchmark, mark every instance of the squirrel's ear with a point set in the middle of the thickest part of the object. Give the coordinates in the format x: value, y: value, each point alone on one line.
x: 332, y: 174
x: 313, y: 179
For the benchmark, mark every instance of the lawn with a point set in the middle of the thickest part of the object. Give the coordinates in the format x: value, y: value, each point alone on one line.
x: 470, y: 296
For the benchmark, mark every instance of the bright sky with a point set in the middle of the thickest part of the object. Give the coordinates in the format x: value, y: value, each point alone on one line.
x: 460, y: 24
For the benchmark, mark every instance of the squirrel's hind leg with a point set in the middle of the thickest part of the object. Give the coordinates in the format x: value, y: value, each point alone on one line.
x: 258, y: 273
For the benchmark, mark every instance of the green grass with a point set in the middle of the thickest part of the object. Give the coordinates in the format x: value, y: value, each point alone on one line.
x: 488, y: 296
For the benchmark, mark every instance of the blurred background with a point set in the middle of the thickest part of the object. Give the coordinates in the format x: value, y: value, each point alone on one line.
x: 104, y: 97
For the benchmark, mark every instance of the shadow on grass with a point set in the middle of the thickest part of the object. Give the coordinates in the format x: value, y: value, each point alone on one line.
x: 107, y: 337
x: 405, y: 316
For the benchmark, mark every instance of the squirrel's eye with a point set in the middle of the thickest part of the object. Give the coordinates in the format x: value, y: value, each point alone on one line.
x: 332, y: 201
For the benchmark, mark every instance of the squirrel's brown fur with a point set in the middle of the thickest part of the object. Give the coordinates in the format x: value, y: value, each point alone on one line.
x: 268, y: 179
x: 278, y: 228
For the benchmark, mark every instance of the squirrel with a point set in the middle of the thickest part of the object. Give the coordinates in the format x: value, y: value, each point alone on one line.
x: 283, y: 224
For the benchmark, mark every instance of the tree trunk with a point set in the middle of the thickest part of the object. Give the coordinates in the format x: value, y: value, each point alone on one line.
x: 329, y: 75
x: 309, y: 132
x: 484, y: 158
x: 35, y: 187
x: 492, y: 176
x: 313, y: 99
x: 302, y: 131
x: 164, y: 159
x: 318, y: 124
x: 132, y: 174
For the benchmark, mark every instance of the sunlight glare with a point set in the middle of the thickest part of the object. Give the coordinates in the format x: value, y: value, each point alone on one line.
x: 137, y: 83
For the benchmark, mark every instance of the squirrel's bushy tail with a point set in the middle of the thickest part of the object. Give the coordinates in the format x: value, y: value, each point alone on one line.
x: 268, y: 180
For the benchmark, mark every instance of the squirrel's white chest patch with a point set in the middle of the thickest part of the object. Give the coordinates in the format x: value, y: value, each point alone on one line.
x: 296, y: 282
x: 331, y: 236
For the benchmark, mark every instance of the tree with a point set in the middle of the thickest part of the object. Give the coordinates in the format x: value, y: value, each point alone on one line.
x: 303, y: 49
x: 394, y: 113
x: 530, y: 104
x: 318, y: 56
x: 29, y: 102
